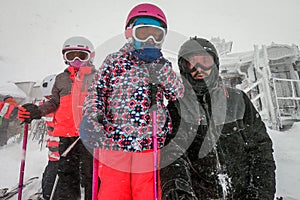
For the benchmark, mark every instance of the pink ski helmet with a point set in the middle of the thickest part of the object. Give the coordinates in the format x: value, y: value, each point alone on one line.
x: 147, y: 10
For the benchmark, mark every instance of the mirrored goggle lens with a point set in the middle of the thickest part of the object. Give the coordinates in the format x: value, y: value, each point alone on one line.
x: 81, y: 55
x: 204, y: 62
x: 142, y: 33
x: 191, y: 68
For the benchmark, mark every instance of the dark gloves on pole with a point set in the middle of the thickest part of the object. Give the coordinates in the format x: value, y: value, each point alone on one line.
x: 92, y: 132
x: 178, y: 189
x: 29, y: 112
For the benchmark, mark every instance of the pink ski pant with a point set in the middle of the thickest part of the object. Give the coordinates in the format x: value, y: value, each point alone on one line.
x: 127, y: 175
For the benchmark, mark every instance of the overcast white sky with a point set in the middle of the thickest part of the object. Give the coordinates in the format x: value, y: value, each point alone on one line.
x: 33, y: 31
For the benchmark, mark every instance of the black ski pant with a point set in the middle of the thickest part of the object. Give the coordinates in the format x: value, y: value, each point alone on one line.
x: 48, y: 179
x: 74, y: 170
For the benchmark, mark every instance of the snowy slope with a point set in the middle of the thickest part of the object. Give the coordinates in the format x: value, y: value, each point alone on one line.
x: 286, y: 146
x: 287, y: 151
x: 10, y: 156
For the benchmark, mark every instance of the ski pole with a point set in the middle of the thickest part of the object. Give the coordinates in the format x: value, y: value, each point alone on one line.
x: 153, y: 92
x: 154, y: 133
x: 22, y: 168
x: 95, y: 174
x: 64, y: 154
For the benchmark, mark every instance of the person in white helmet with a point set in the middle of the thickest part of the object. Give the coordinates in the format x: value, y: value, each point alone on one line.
x: 8, y: 112
x: 67, y: 95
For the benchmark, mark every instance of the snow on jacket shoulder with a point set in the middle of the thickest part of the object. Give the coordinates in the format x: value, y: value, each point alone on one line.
x: 121, y: 92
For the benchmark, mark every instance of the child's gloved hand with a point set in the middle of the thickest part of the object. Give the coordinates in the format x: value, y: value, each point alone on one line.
x: 92, y: 132
x: 29, y: 112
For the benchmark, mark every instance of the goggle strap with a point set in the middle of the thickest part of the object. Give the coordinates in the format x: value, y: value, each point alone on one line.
x: 190, y: 70
x: 128, y: 33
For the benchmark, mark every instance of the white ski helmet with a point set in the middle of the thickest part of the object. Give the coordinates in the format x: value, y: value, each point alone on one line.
x: 47, y: 85
x: 79, y: 43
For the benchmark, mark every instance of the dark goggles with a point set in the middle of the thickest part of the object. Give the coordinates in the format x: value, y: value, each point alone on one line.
x: 204, y: 62
x: 70, y: 56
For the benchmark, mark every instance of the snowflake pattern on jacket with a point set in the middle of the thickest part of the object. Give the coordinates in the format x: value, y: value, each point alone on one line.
x: 120, y: 92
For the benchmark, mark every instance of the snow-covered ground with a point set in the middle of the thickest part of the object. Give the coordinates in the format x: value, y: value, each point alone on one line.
x: 10, y: 159
x: 287, y: 157
x: 286, y: 146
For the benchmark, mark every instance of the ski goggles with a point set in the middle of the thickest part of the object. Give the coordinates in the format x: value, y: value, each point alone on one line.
x: 204, y: 62
x: 71, y: 55
x: 144, y: 32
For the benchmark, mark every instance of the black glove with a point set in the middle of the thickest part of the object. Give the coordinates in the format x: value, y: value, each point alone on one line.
x: 178, y: 189
x: 92, y: 132
x: 29, y: 112
x: 252, y: 193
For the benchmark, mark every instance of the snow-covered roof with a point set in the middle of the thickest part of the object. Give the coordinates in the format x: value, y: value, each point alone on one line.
x: 234, y: 58
x: 278, y: 51
x: 11, y: 89
x: 274, y: 52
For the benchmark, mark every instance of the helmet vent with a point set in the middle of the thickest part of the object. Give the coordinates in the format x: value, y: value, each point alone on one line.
x: 45, y: 84
x: 160, y: 15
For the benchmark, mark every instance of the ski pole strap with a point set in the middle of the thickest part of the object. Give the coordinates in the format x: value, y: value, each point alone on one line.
x: 153, y: 91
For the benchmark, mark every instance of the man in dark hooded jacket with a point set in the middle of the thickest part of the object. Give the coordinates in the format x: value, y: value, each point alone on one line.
x: 221, y: 149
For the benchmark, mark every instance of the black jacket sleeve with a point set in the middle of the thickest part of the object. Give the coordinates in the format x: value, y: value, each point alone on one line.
x: 176, y: 181
x: 182, y: 135
x: 175, y: 168
x: 260, y: 152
